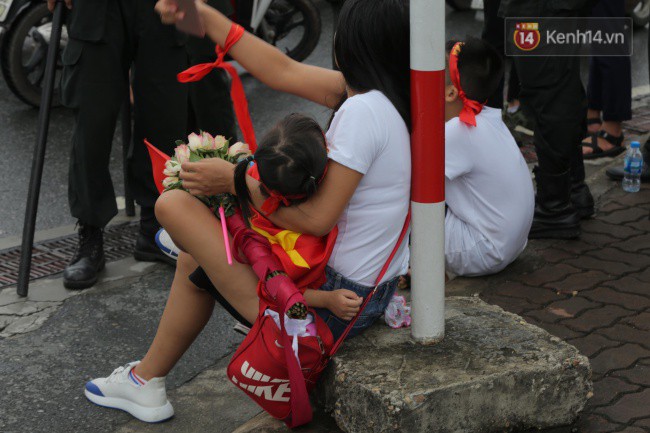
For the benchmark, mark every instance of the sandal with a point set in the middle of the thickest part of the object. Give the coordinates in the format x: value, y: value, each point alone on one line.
x: 597, y: 152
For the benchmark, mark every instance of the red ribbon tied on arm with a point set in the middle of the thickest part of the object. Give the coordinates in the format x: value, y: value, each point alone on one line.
x: 240, y: 104
x: 470, y: 107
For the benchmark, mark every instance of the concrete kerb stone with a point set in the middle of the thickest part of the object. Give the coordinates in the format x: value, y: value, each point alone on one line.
x: 492, y: 372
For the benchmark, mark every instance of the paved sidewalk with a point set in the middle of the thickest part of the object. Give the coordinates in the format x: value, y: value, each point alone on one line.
x: 594, y: 293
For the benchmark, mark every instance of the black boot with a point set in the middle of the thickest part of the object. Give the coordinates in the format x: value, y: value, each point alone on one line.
x: 88, y: 260
x: 146, y: 249
x: 555, y: 216
x: 581, y: 197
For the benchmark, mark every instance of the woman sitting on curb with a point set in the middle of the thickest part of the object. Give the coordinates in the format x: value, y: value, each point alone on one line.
x: 365, y: 192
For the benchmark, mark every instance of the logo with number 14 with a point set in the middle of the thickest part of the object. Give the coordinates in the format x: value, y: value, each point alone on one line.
x: 527, y: 36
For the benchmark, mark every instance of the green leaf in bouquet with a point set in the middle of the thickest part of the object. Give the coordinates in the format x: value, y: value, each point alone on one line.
x: 179, y: 142
x: 195, y: 157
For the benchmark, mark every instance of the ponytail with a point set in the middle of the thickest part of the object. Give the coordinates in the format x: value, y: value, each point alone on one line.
x: 241, y: 188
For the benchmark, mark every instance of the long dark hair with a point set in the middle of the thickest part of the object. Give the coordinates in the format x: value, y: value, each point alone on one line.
x: 372, y: 49
x: 291, y: 159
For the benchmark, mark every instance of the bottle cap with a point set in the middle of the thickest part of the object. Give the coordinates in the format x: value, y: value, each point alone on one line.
x: 635, y: 145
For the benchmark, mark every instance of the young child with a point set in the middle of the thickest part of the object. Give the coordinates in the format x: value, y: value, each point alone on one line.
x: 290, y: 162
x: 489, y: 190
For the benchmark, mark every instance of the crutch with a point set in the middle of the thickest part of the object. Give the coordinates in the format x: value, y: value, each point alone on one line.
x: 39, y: 151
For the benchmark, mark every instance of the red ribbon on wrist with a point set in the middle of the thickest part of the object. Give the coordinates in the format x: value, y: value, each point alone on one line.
x: 240, y: 103
x: 470, y: 107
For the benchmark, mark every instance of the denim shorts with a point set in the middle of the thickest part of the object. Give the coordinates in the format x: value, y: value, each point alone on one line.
x: 335, y: 281
x: 373, y: 310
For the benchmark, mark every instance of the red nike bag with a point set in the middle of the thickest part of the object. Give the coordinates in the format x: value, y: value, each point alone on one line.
x: 266, y: 369
x: 265, y: 366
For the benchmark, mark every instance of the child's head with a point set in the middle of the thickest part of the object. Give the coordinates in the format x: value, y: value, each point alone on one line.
x: 371, y: 48
x: 291, y: 160
x: 480, y: 68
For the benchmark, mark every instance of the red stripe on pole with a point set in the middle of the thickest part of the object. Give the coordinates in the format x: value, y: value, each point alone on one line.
x: 428, y: 136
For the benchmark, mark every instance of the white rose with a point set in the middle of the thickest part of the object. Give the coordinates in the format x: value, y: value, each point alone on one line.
x: 169, y: 181
x: 172, y: 168
x: 220, y: 141
x: 194, y: 141
x: 238, y: 148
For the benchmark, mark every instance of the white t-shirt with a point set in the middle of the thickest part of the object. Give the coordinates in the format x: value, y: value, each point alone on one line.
x: 488, y: 186
x: 369, y: 136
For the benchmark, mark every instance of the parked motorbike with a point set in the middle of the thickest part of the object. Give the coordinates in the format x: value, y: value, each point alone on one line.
x: 294, y: 26
x: 638, y: 10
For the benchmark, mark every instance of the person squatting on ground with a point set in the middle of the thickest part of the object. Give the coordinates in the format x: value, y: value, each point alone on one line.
x: 108, y: 39
x: 554, y: 98
x: 488, y: 189
x: 365, y: 192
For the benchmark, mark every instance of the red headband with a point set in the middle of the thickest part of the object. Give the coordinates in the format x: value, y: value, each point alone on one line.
x: 272, y: 203
x: 470, y: 107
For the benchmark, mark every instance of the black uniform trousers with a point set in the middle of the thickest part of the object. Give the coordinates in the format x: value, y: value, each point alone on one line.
x: 552, y: 93
x: 493, y: 34
x: 210, y: 105
x: 106, y: 38
x: 610, y: 78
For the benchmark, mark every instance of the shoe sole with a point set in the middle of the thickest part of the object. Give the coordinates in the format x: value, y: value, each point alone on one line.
x: 84, y: 284
x: 166, y: 251
x: 146, y: 414
x: 555, y: 234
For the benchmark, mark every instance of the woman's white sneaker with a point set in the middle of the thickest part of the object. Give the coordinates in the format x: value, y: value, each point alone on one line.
x: 147, y: 402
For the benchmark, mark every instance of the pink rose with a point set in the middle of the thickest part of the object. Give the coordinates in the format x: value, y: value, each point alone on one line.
x: 207, y: 141
x: 182, y: 153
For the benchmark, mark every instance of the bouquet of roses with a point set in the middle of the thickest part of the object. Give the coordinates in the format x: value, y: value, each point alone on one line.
x: 202, y: 146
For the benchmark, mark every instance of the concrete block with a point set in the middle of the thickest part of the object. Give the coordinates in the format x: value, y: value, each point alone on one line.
x: 492, y: 372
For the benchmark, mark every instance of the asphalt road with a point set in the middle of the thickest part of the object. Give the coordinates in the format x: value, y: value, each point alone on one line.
x: 18, y: 129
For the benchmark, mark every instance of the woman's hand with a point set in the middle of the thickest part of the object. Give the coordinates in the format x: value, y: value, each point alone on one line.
x: 344, y: 303
x: 208, y: 177
x: 168, y: 11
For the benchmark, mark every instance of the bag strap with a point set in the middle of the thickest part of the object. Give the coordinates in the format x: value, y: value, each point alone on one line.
x: 347, y: 330
x: 301, y: 411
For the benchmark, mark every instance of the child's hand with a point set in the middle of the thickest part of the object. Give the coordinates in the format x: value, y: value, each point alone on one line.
x: 344, y: 304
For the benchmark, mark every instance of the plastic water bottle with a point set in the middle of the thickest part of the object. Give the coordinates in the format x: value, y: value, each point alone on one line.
x: 632, y: 168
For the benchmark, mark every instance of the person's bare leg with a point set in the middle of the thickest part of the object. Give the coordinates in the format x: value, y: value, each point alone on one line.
x: 191, y: 224
x: 187, y: 312
x: 593, y: 114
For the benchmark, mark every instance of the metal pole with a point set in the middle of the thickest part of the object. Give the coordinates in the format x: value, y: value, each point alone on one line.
x: 428, y: 165
x: 126, y: 152
x: 39, y: 151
